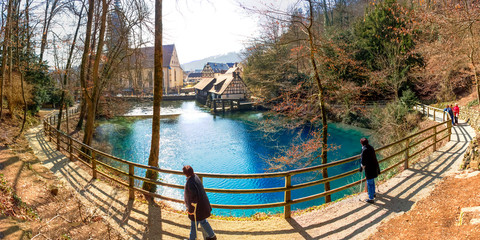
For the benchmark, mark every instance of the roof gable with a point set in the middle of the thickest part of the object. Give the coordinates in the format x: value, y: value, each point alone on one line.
x: 218, y: 67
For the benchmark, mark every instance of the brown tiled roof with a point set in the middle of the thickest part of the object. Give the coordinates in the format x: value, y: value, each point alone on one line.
x: 203, y: 83
x: 145, y: 56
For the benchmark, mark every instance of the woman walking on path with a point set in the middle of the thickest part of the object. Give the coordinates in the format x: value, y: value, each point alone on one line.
x: 197, y: 203
x: 456, y: 112
x: 450, y: 113
x: 369, y: 162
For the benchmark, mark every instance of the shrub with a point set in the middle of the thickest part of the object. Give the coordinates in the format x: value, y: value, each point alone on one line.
x: 472, y: 103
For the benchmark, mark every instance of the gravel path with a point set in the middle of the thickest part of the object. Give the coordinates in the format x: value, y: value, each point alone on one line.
x: 347, y: 219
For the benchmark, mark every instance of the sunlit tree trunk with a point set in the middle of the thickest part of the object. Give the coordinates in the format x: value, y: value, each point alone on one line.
x: 321, y: 98
x: 157, y: 99
x: 21, y: 69
x: 6, y: 46
x: 67, y: 70
x: 93, y: 99
x: 85, y: 63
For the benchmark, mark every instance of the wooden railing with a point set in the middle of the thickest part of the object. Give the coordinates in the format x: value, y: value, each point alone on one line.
x: 394, y: 155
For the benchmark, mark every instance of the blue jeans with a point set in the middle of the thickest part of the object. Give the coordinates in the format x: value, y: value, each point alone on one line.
x: 205, y: 226
x: 371, y: 188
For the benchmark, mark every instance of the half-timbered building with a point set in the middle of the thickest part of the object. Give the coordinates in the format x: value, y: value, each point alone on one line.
x: 212, y: 69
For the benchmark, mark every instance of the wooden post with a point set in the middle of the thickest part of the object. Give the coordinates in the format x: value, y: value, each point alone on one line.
x: 70, y: 148
x: 214, y: 106
x: 407, y: 148
x: 231, y: 105
x: 201, y: 179
x: 434, y: 111
x: 223, y: 106
x: 449, y: 125
x: 49, y: 133
x: 428, y: 112
x: 94, y: 166
x: 238, y: 104
x: 435, y: 139
x: 287, y: 210
x: 131, y: 172
x: 58, y: 140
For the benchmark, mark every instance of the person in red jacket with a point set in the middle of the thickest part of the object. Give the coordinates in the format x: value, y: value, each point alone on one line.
x: 456, y: 112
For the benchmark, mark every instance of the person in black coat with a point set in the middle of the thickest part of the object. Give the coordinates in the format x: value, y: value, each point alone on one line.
x: 369, y: 163
x: 195, y: 194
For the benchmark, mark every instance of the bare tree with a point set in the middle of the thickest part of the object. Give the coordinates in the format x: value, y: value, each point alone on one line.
x: 157, y: 99
x: 50, y: 12
x: 66, y: 74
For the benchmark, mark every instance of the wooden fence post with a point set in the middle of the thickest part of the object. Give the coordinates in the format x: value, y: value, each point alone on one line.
x: 434, y: 111
x: 443, y: 116
x: 449, y: 125
x: 131, y: 172
x: 407, y: 148
x: 435, y: 139
x: 70, y: 148
x: 58, y: 140
x: 94, y: 165
x: 49, y: 133
x: 287, y: 209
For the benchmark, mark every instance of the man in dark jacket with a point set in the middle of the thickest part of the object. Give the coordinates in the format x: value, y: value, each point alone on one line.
x: 369, y: 162
x: 195, y: 195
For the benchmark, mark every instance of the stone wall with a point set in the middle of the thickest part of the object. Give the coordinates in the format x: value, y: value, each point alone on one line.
x: 471, y: 158
x: 471, y: 116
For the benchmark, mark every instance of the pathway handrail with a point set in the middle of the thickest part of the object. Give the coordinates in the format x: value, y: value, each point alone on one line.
x: 89, y: 156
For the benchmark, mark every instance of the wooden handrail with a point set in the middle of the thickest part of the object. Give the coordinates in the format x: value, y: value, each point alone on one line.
x: 406, y: 145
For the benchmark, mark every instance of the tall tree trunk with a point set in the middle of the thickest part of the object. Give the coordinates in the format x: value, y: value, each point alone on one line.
x: 21, y: 70
x: 46, y: 25
x: 472, y: 58
x: 325, y: 13
x: 83, y: 112
x: 67, y: 69
x: 85, y: 62
x: 321, y: 97
x: 157, y: 99
x: 6, y: 45
x: 93, y: 99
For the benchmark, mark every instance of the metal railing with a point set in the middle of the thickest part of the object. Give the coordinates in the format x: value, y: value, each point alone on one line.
x: 394, y: 155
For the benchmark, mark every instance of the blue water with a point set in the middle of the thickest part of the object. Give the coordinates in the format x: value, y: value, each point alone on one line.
x: 230, y: 143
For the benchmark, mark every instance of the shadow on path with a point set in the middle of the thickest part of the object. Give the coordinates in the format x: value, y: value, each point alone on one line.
x: 347, y: 219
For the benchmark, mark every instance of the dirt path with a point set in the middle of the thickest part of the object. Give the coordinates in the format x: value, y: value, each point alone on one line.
x: 348, y: 219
